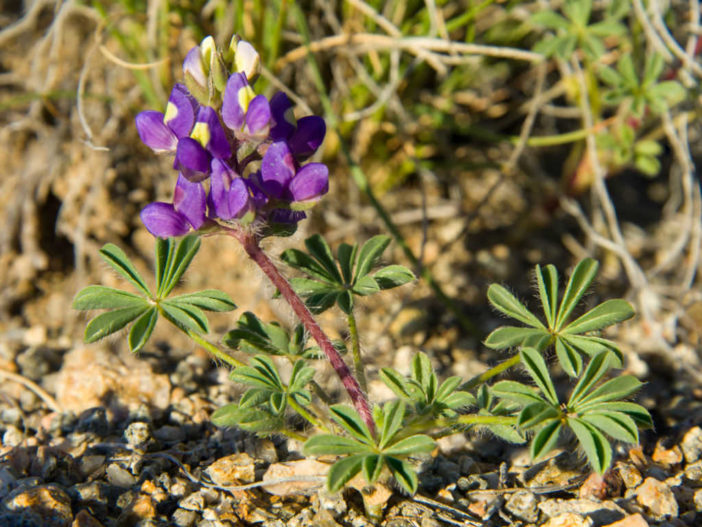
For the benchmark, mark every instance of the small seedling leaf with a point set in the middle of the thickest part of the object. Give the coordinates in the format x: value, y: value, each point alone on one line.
x: 616, y: 425
x: 536, y: 366
x: 594, y: 443
x: 512, y: 336
x: 184, y: 316
x: 416, y: 444
x: 343, y: 471
x: 320, y: 251
x: 604, y: 315
x: 598, y: 366
x: 581, y: 279
x: 112, y: 321
x: 393, y: 276
x: 308, y: 265
x: 570, y: 359
x: 350, y: 421
x: 547, y: 281
x: 403, y: 473
x: 100, y: 297
x: 370, y: 253
x: 142, y: 329
x: 209, y: 300
x: 545, y: 439
x: 184, y: 254
x: 517, y: 392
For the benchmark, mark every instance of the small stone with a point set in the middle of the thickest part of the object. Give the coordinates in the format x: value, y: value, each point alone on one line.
x: 90, y: 463
x: 694, y: 471
x: 667, y: 456
x: 697, y: 500
x: 633, y: 520
x: 170, y: 434
x: 13, y: 436
x: 232, y: 470
x: 138, y: 434
x: 601, y: 511
x: 301, y: 468
x: 657, y: 498
x: 568, y: 519
x: 142, y: 508
x: 691, y: 444
x: 48, y: 501
x: 184, y: 518
x: 85, y: 519
x: 630, y: 475
x: 335, y: 504
x: 193, y: 502
x: 7, y: 481
x: 93, y: 420
x: 522, y: 505
x: 119, y: 477
x: 484, y: 504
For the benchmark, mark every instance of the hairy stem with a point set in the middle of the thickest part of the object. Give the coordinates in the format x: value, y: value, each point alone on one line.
x: 489, y: 374
x: 214, y: 350
x: 356, y: 350
x: 250, y: 244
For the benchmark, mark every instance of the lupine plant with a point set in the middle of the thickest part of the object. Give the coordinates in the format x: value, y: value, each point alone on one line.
x: 244, y: 172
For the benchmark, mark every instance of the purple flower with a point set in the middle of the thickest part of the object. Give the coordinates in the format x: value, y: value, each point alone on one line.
x: 281, y: 179
x: 209, y: 133
x: 176, y: 219
x: 303, y: 136
x: 161, y: 132
x: 243, y: 110
x: 229, y: 195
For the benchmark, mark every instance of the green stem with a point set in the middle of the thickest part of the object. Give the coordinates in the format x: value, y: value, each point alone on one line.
x: 356, y: 350
x: 214, y: 350
x: 422, y: 425
x: 307, y: 415
x: 474, y: 419
x: 489, y: 374
x: 361, y: 181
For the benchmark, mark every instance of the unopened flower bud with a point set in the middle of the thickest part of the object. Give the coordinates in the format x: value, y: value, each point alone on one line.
x: 247, y: 60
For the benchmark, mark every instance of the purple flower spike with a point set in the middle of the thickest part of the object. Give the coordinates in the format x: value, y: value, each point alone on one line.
x: 235, y: 101
x: 258, y: 116
x: 162, y: 220
x: 309, y: 135
x: 192, y: 160
x: 189, y: 201
x: 154, y: 133
x: 277, y: 169
x: 193, y: 65
x: 229, y: 196
x: 209, y: 133
x: 283, y: 117
x: 309, y: 185
x: 180, y: 112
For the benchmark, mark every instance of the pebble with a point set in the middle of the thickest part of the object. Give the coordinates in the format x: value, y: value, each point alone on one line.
x: 119, y: 477
x: 49, y: 501
x: 522, y: 505
x: 633, y: 520
x: 232, y: 470
x: 697, y: 500
x: 184, y: 518
x: 691, y: 444
x: 170, y: 433
x: 667, y: 456
x: 630, y: 475
x: 141, y: 508
x: 85, y: 519
x: 568, y: 519
x: 657, y: 498
x: 13, y: 436
x: 602, y: 511
x: 138, y: 434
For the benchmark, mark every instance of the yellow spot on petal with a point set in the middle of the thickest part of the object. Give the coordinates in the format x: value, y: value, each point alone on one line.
x: 201, y: 134
x: 289, y: 116
x: 171, y: 112
x: 244, y: 96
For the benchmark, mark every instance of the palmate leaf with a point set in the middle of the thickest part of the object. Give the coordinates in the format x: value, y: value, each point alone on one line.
x: 164, y: 252
x: 350, y: 421
x: 343, y: 471
x: 594, y: 443
x: 112, y: 321
x: 599, y: 365
x: 397, y: 383
x: 254, y: 336
x: 545, y: 439
x: 370, y: 253
x: 570, y: 359
x: 308, y: 265
x: 536, y: 414
x: 536, y: 367
x: 580, y: 280
x: 637, y: 412
x: 617, y: 425
x: 517, y: 392
x: 512, y: 336
x: 404, y: 474
x: 392, y: 417
x: 183, y: 256
x: 593, y: 345
x: 184, y: 316
x: 508, y: 304
x: 331, y: 445
x: 119, y: 261
x: 606, y: 314
x: 547, y: 281
x: 416, y: 444
x: 613, y: 389
x: 100, y: 297
x: 346, y: 254
x: 208, y: 299
x: 250, y: 419
x: 142, y: 329
x: 393, y: 276
x: 320, y: 251
x: 372, y: 467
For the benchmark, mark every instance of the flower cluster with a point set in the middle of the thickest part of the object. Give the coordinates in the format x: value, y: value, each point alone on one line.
x: 239, y: 156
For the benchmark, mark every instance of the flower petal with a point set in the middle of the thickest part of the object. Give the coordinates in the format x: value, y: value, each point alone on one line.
x: 154, y: 133
x: 307, y: 137
x: 161, y: 220
x: 235, y: 101
x: 283, y: 117
x: 189, y: 200
x: 209, y: 133
x: 180, y: 111
x: 258, y: 116
x: 310, y: 183
x: 229, y: 196
x: 192, y: 159
x: 247, y: 60
x: 277, y: 169
x: 193, y: 66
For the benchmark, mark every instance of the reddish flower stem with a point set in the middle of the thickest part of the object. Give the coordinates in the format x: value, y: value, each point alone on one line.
x: 250, y: 244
